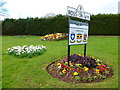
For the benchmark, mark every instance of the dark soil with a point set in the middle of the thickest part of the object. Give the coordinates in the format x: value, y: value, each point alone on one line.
x: 69, y: 77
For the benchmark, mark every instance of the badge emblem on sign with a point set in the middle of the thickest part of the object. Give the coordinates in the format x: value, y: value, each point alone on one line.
x: 72, y: 37
x: 79, y: 38
x: 85, y: 38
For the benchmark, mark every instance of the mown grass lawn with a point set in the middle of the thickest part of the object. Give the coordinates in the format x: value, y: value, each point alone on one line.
x: 31, y: 72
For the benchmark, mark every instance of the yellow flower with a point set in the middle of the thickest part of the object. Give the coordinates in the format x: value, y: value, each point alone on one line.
x: 75, y: 73
x: 64, y: 71
x: 86, y: 69
x: 79, y: 54
x: 79, y: 64
x: 97, y: 71
x: 66, y: 62
x: 98, y: 64
x: 58, y: 64
x: 71, y: 64
x: 46, y: 35
x: 97, y: 60
x: 93, y: 57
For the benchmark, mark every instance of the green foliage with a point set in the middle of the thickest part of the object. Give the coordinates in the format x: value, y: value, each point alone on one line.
x: 90, y: 78
x: 101, y: 24
x: 13, y: 27
x: 104, y: 24
x: 0, y: 27
x: 61, y: 74
x: 103, y: 77
x: 77, y: 78
x: 95, y: 77
x: 106, y: 72
x: 99, y: 75
x: 85, y: 78
x: 35, y: 26
x: 108, y: 67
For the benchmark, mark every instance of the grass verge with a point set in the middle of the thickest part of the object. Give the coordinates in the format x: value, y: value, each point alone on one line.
x: 31, y: 72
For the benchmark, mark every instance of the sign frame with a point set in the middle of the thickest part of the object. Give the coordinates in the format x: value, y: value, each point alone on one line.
x: 78, y: 32
x: 80, y: 14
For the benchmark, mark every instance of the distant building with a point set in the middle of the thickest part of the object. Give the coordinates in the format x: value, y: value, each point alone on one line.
x: 119, y: 7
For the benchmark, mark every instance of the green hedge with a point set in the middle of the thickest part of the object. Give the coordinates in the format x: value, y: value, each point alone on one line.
x: 104, y: 24
x: 0, y: 27
x: 46, y: 25
x: 13, y: 27
x: 101, y: 24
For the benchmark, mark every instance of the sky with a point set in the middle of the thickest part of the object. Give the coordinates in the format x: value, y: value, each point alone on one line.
x: 39, y: 8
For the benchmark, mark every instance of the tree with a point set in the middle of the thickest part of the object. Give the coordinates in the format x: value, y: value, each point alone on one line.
x: 3, y: 11
x: 48, y: 15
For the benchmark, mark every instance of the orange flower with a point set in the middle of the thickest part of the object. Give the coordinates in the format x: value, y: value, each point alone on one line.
x: 68, y: 67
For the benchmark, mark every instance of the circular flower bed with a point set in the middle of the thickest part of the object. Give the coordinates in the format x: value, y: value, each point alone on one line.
x: 26, y: 51
x: 81, y: 70
x: 55, y: 36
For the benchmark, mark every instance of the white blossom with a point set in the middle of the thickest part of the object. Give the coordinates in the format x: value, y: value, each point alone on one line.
x: 18, y: 50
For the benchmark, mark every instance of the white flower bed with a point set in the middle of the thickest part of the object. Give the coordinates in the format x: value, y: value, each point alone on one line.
x: 26, y: 51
